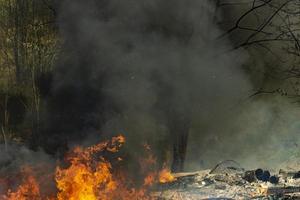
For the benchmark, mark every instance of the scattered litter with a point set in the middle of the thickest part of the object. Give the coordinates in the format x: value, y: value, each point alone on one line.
x: 230, y: 181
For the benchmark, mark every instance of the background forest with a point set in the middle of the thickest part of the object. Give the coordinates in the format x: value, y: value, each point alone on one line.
x: 29, y: 47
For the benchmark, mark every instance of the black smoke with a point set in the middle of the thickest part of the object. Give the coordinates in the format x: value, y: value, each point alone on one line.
x: 148, y: 69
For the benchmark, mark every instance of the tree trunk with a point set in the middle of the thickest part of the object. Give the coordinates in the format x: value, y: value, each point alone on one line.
x: 15, y: 13
x: 179, y: 127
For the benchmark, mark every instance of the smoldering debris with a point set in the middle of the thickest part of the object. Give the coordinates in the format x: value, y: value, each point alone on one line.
x: 229, y: 182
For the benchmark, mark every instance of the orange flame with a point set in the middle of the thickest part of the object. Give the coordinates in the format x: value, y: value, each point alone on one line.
x: 90, y: 176
x: 28, y: 190
x: 165, y: 176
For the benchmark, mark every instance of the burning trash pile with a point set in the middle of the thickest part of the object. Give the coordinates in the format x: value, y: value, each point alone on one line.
x: 92, y: 173
x: 98, y: 173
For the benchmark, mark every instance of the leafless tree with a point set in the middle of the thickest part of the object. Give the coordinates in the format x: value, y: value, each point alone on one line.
x: 272, y: 26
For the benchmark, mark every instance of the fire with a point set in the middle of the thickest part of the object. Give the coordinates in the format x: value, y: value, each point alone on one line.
x: 28, y: 190
x: 165, y: 176
x: 89, y: 175
x: 87, y: 178
x: 81, y: 182
x: 149, y: 180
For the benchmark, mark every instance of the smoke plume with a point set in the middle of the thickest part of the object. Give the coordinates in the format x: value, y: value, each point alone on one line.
x: 125, y: 64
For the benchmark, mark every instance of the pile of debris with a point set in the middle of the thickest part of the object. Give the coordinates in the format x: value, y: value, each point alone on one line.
x: 229, y: 181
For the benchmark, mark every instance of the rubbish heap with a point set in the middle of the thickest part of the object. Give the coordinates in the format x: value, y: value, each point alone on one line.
x: 229, y: 181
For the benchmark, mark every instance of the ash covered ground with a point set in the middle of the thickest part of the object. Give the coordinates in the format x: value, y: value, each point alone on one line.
x: 229, y: 181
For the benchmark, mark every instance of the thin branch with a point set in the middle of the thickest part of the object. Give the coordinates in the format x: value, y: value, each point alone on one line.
x: 268, y: 21
x: 237, y: 24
